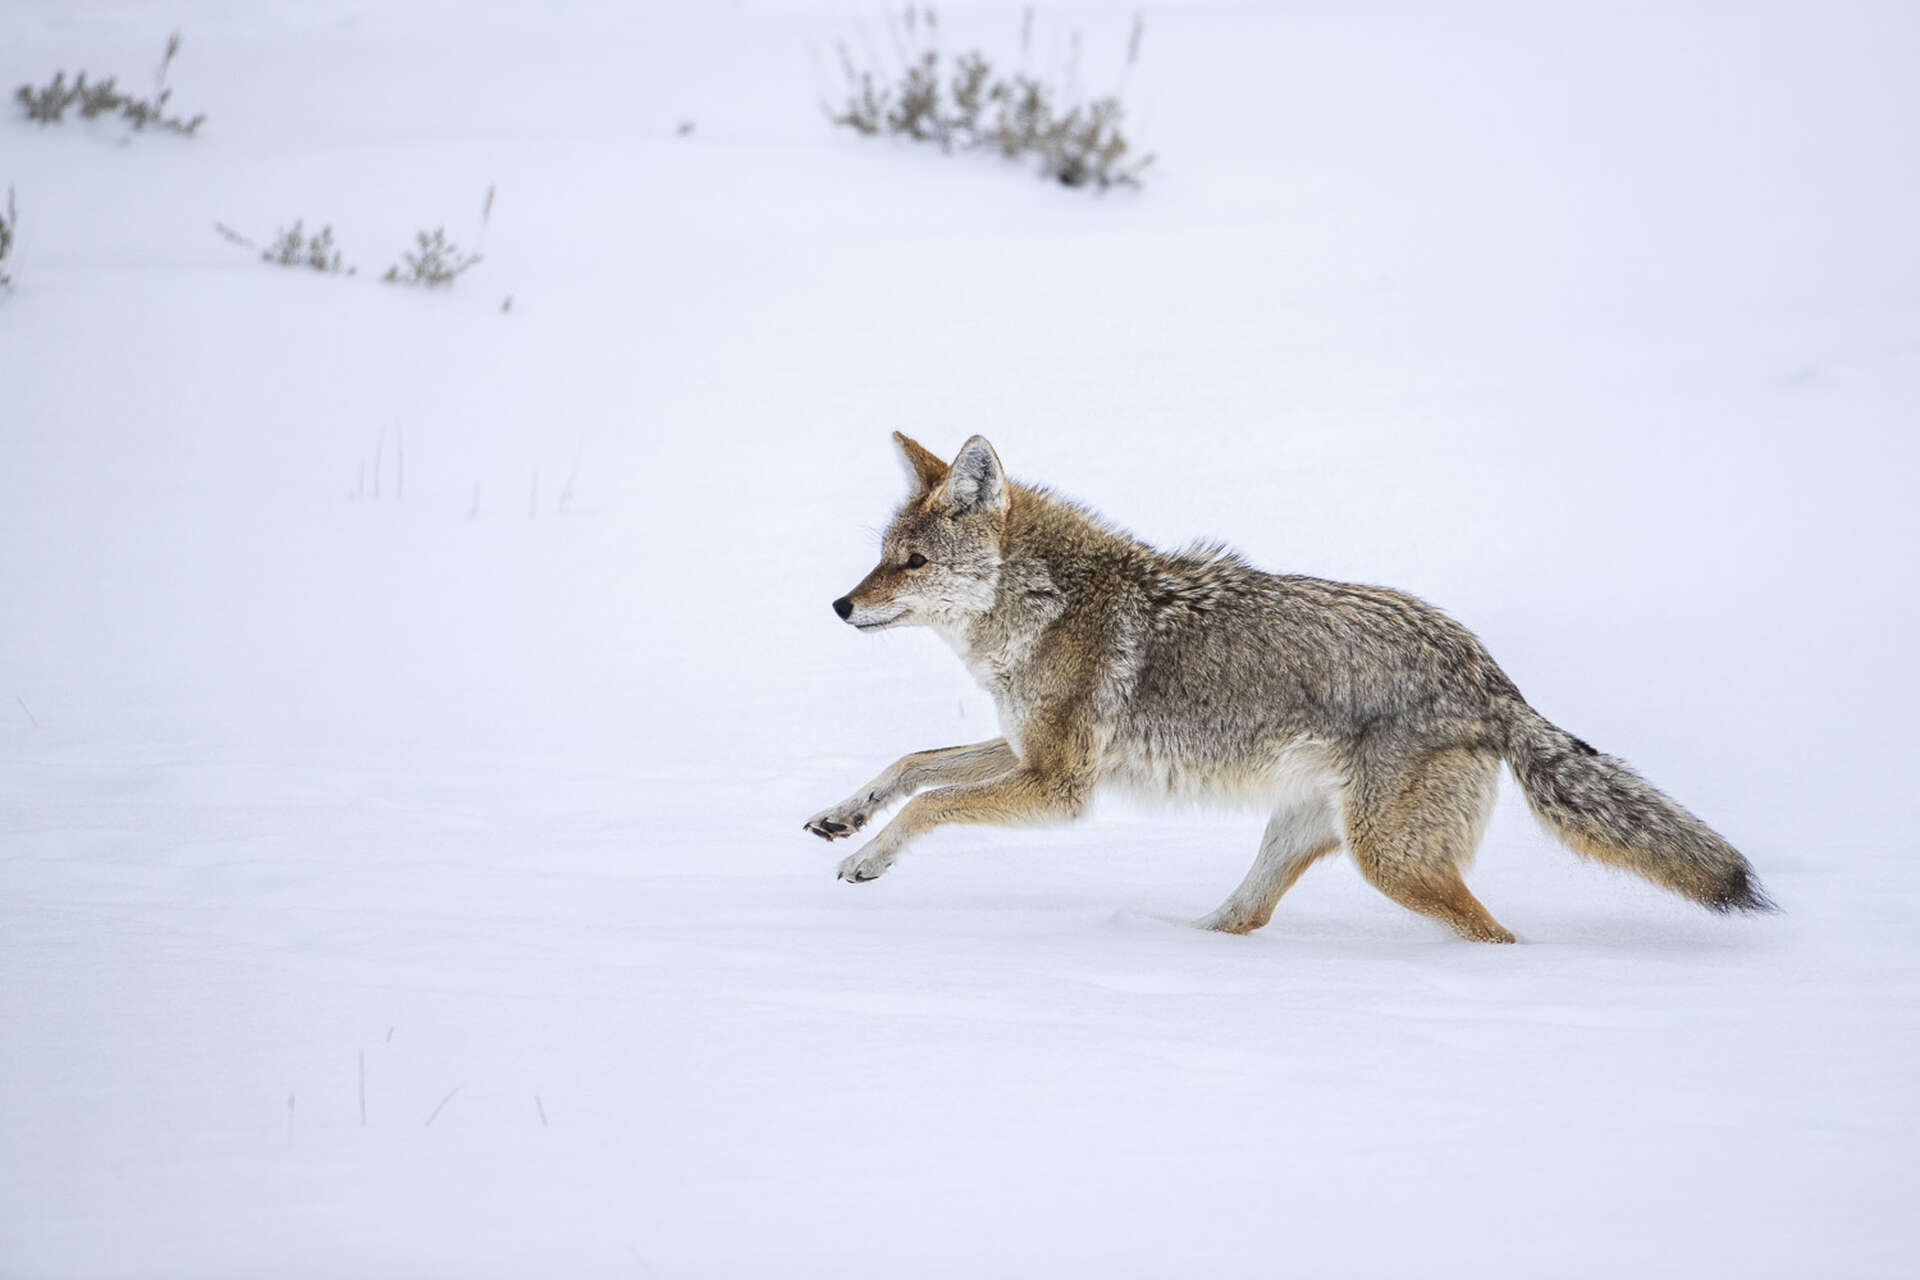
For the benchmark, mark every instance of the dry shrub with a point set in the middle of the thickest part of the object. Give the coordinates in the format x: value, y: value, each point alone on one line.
x: 964, y: 104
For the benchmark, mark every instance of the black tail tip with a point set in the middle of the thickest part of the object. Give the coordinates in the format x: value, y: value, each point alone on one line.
x: 1742, y: 892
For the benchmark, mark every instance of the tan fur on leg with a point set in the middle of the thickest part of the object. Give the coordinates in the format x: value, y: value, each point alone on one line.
x: 1412, y: 826
x: 1052, y: 783
x: 975, y: 763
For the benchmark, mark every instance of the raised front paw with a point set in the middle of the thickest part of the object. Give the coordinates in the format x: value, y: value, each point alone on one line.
x: 840, y: 821
x: 868, y: 864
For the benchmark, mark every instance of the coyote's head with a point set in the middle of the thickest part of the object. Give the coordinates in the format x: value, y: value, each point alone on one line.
x: 940, y: 557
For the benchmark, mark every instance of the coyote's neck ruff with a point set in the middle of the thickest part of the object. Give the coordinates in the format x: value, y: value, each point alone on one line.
x: 1360, y: 715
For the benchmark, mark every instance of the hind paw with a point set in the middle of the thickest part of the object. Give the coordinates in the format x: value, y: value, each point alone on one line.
x: 1225, y: 921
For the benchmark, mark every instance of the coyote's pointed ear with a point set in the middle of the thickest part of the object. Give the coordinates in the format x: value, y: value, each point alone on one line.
x: 976, y: 481
x: 923, y: 469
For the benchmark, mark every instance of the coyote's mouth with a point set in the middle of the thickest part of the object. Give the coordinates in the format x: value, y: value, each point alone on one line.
x: 881, y: 623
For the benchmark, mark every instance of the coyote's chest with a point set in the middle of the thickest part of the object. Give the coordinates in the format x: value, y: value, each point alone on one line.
x: 1014, y: 699
x: 1011, y: 679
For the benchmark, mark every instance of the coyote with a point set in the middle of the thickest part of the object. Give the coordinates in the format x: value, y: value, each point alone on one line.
x: 1357, y: 715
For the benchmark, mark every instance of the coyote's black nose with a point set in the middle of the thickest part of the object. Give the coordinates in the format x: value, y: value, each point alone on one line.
x: 843, y: 607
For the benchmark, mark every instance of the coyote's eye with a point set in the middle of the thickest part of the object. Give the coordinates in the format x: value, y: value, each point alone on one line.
x: 916, y: 561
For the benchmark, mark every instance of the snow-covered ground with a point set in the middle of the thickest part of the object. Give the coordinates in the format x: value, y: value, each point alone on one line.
x: 415, y: 886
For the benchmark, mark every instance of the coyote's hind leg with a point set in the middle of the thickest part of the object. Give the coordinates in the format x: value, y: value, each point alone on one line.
x: 1297, y: 836
x: 1413, y: 825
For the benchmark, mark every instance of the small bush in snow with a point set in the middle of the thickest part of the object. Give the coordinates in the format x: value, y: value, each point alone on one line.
x: 970, y: 106
x: 50, y: 103
x: 292, y: 248
x: 435, y: 263
x: 8, y: 221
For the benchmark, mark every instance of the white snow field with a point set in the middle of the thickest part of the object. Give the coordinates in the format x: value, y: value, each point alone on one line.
x: 414, y: 885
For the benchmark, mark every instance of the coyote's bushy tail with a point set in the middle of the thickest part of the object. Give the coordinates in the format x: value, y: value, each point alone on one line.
x: 1607, y: 812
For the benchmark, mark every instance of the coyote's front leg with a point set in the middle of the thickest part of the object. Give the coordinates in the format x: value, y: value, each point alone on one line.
x: 1020, y: 798
x: 1051, y: 784
x: 976, y: 763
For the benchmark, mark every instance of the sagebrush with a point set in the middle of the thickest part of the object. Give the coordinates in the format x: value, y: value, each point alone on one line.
x: 964, y: 104
x: 434, y: 262
x: 50, y: 103
x: 294, y: 247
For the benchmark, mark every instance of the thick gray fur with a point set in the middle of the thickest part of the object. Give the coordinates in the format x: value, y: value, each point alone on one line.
x: 1358, y: 715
